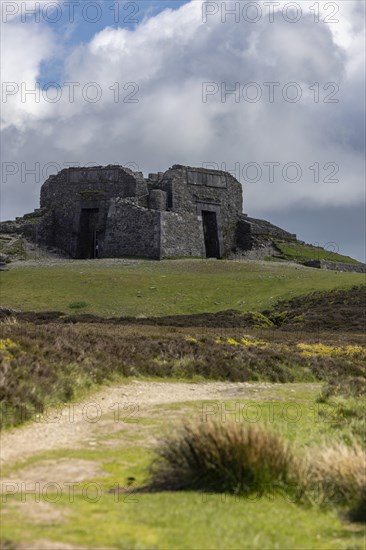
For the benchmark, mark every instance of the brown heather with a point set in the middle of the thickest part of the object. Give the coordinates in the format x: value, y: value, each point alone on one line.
x: 58, y: 362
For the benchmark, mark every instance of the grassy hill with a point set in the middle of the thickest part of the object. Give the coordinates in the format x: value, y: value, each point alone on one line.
x: 296, y: 251
x: 171, y: 287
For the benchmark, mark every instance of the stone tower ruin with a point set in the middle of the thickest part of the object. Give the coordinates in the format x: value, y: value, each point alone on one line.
x: 111, y: 211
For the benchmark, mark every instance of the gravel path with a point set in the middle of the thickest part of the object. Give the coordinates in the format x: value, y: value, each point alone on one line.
x: 69, y: 426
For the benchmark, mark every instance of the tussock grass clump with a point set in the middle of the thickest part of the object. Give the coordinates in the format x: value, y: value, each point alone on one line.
x: 222, y: 457
x: 337, y: 473
x: 241, y: 459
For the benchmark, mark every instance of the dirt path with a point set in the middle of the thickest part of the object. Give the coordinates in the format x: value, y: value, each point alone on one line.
x: 71, y: 425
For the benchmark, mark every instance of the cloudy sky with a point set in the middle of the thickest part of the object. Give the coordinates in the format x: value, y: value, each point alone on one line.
x: 272, y: 91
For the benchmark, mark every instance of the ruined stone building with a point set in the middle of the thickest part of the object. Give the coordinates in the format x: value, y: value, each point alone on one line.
x: 111, y: 211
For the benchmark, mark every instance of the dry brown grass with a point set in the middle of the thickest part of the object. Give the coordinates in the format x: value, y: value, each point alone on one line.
x: 335, y: 474
x: 241, y: 459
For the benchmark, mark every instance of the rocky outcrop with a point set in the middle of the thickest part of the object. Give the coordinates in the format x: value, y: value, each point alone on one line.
x: 254, y: 234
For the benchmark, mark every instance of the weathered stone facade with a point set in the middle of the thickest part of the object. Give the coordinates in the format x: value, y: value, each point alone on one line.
x: 113, y: 212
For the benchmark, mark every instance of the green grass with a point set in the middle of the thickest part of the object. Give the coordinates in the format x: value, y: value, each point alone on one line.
x: 162, y: 288
x: 183, y: 520
x: 292, y: 409
x: 191, y: 521
x: 298, y: 252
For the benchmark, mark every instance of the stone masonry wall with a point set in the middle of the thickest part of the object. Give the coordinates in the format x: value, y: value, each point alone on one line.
x: 181, y: 235
x: 183, y: 190
x: 191, y: 190
x: 157, y: 200
x: 131, y: 230
x: 74, y: 189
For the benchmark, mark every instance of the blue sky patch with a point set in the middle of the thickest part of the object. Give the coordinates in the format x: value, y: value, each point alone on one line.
x: 76, y: 22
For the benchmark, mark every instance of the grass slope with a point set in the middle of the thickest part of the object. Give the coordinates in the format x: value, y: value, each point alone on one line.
x: 161, y: 288
x: 341, y: 310
x: 297, y: 252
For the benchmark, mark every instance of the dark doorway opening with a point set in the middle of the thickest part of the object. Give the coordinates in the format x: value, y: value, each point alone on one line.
x: 88, y: 233
x: 211, y: 235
